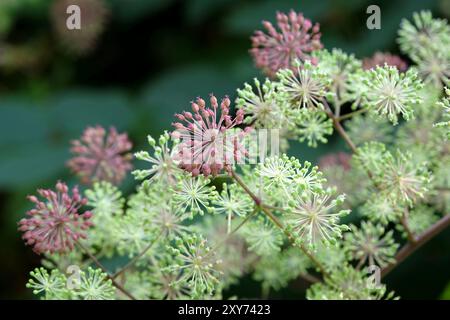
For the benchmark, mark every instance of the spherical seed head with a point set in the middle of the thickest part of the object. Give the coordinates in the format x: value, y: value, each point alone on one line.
x: 210, y: 143
x: 55, y: 224
x: 99, y: 156
x: 382, y: 58
x: 296, y: 38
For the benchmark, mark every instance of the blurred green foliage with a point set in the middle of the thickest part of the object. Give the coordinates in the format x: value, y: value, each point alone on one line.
x: 152, y: 58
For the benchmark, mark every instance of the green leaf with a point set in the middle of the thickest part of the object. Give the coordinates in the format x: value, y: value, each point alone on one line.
x: 21, y: 121
x: 74, y: 110
x: 247, y: 18
x: 31, y: 164
x: 131, y: 10
x: 174, y: 91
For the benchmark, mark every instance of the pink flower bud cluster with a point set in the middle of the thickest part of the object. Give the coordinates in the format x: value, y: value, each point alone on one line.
x: 101, y: 157
x: 54, y: 225
x: 208, y: 144
x: 380, y: 59
x: 297, y: 38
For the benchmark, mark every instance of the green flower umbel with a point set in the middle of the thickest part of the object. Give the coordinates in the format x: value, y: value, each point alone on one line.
x: 391, y: 93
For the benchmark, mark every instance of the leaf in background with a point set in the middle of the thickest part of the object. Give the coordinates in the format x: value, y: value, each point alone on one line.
x: 446, y: 293
x: 174, y: 91
x: 200, y: 9
x: 129, y: 11
x: 247, y: 18
x: 21, y: 121
x: 31, y: 164
x: 74, y: 110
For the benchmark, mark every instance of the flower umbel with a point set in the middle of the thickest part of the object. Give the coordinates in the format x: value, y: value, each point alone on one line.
x: 163, y: 166
x: 312, y: 219
x: 232, y: 203
x: 208, y: 145
x: 193, y: 195
x: 100, y: 156
x: 423, y: 32
x: 276, y: 50
x: 263, y: 108
x: 403, y: 180
x: 52, y: 285
x: 306, y: 88
x: 313, y: 126
x: 370, y: 244
x: 445, y: 105
x: 197, y: 263
x: 390, y: 93
x: 55, y: 225
x: 95, y: 285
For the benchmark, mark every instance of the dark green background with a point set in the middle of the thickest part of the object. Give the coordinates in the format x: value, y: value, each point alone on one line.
x: 154, y: 57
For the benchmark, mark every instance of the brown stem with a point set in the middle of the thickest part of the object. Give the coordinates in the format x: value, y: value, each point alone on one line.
x: 98, y: 263
x: 309, y: 278
x: 414, y: 242
x: 277, y: 222
x: 238, y: 179
x: 351, y: 114
x: 337, y: 125
x: 228, y: 236
x: 404, y: 221
x: 136, y: 258
x: 410, y: 247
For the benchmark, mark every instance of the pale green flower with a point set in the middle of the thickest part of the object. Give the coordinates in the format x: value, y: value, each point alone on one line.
x: 313, y: 218
x: 95, y: 285
x: 306, y: 88
x: 232, y: 202
x: 371, y: 245
x: 366, y: 128
x: 423, y: 32
x: 433, y: 65
x: 287, y: 177
x: 263, y: 237
x: 197, y: 263
x: 133, y: 234
x: 381, y: 209
x: 193, y: 195
x: 370, y: 157
x: 313, y: 126
x: 445, y: 104
x: 107, y: 203
x: 419, y: 220
x: 338, y: 65
x: 347, y: 283
x: 263, y: 106
x: 402, y: 180
x: 391, y: 93
x: 50, y: 286
x: 163, y: 167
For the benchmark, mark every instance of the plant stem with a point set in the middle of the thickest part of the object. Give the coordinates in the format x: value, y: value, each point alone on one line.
x: 410, y: 247
x: 277, y: 222
x: 414, y: 242
x: 404, y: 221
x: 309, y: 278
x: 98, y: 263
x: 232, y: 232
x: 351, y: 114
x: 136, y: 258
x: 337, y: 125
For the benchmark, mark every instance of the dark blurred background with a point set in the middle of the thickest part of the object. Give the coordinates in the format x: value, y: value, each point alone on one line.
x: 139, y: 63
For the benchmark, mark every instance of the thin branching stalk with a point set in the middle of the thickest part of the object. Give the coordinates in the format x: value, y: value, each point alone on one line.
x: 277, y: 222
x: 103, y: 268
